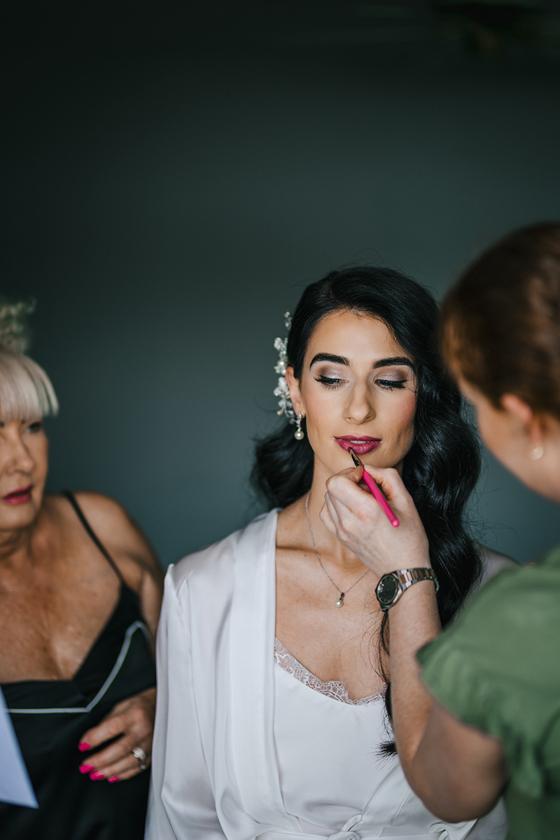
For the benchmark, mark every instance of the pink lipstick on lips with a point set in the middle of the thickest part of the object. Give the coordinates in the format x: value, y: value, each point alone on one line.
x: 361, y: 444
x: 18, y: 497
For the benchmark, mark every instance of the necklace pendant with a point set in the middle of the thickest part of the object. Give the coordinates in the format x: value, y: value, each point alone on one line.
x: 340, y: 602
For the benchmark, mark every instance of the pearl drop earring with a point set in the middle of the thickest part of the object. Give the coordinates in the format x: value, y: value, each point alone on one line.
x: 536, y: 452
x: 299, y: 434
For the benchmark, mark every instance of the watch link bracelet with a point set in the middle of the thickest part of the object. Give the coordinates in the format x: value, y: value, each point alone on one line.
x: 392, y: 585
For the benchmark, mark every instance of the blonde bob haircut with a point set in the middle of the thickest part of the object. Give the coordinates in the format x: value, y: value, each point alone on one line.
x: 26, y: 392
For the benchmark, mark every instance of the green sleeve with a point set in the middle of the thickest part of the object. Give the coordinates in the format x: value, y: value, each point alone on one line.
x: 497, y: 667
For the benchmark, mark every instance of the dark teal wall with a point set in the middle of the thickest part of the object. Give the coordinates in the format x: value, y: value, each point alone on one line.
x: 167, y: 206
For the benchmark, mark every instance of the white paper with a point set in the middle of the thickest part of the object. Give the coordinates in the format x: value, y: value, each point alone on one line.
x: 15, y: 785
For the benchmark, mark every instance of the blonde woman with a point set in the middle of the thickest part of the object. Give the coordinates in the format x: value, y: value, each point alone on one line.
x: 80, y: 593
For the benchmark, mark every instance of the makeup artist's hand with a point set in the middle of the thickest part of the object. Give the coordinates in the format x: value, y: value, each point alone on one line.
x: 131, y: 723
x: 352, y: 514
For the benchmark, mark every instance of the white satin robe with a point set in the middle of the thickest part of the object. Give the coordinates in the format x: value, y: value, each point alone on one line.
x: 215, y: 771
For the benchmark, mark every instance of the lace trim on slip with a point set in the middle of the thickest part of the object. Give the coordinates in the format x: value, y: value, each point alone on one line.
x: 334, y: 689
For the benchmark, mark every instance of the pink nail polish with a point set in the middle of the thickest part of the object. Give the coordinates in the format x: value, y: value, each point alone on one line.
x: 83, y: 747
x: 113, y: 779
x: 96, y: 776
x: 86, y: 768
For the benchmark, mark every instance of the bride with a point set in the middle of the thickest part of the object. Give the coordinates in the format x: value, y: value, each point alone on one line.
x: 273, y: 715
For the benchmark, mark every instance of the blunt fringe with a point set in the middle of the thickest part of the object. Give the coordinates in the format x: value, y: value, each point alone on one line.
x: 443, y: 464
x: 26, y: 392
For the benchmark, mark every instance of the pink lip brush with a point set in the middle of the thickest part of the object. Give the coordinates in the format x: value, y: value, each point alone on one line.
x: 375, y: 491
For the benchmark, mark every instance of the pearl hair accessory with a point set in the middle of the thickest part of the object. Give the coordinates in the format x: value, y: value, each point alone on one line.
x: 13, y: 324
x: 282, y: 391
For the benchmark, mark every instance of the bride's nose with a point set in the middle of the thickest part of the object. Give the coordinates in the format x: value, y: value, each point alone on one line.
x: 359, y: 407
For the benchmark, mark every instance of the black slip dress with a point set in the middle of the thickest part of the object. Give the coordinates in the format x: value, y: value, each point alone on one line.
x: 50, y: 717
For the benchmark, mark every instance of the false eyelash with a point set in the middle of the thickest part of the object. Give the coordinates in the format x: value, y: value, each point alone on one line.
x: 330, y: 382
x: 389, y: 384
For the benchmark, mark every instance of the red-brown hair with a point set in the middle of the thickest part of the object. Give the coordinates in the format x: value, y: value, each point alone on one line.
x: 500, y: 324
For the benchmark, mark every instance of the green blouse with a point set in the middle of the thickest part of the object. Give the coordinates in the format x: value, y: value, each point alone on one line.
x: 497, y: 667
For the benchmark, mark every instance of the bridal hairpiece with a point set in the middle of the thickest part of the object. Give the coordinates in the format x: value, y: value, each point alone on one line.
x: 282, y: 391
x: 14, y: 334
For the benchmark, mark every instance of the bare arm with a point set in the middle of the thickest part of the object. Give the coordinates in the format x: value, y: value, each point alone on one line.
x: 133, y: 718
x: 458, y: 772
x: 130, y: 549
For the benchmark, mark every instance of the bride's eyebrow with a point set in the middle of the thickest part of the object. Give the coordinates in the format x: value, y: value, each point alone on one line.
x: 394, y: 360
x: 328, y: 357
x: 342, y: 360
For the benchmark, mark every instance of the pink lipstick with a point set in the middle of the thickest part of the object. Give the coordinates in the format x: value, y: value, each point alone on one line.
x: 361, y: 444
x: 18, y: 497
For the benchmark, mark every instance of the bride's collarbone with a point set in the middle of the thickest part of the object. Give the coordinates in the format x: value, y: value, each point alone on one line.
x: 306, y: 583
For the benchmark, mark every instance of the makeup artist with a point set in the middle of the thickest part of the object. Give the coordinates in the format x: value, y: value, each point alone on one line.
x: 485, y: 718
x: 271, y: 722
x: 80, y: 593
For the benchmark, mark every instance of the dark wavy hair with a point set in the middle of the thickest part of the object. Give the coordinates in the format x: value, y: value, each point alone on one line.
x: 442, y: 467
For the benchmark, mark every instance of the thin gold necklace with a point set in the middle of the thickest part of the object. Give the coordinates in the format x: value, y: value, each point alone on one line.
x: 340, y: 602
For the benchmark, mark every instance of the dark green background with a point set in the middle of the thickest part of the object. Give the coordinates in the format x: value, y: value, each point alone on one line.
x: 167, y: 200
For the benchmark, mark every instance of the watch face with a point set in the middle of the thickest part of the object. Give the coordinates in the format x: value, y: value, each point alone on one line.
x: 386, y: 590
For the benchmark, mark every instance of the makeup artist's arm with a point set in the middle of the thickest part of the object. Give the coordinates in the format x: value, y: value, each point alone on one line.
x: 458, y: 771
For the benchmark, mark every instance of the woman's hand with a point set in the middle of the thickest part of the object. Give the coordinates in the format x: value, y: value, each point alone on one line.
x: 356, y: 519
x: 133, y: 721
